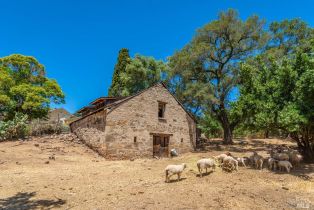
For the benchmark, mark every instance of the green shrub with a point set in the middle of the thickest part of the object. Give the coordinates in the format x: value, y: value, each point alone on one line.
x: 40, y: 127
x: 16, y: 128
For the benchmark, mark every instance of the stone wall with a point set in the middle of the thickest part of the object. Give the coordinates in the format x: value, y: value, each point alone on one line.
x: 96, y: 120
x: 127, y: 129
x: 93, y: 138
x: 138, y: 118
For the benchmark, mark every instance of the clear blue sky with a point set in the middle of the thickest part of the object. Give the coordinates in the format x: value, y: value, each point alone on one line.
x: 78, y: 41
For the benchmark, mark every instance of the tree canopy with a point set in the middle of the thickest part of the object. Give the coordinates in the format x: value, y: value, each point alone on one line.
x: 141, y: 73
x: 205, y: 71
x: 277, y: 92
x: 132, y: 75
x: 117, y: 84
x: 24, y: 88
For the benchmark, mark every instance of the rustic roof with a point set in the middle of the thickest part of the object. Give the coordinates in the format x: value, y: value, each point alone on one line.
x: 84, y: 108
x: 115, y: 104
x: 103, y: 98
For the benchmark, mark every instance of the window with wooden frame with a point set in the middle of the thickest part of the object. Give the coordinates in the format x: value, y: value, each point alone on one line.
x: 161, y: 109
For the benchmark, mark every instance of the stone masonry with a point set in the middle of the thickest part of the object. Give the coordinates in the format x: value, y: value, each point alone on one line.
x: 126, y: 129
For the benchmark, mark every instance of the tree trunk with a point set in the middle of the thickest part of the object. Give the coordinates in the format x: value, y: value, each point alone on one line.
x: 308, y: 153
x: 227, y: 138
x: 227, y: 135
x: 266, y: 134
x: 306, y: 147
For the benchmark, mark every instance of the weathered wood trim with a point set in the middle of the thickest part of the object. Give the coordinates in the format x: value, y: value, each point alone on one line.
x: 161, y: 134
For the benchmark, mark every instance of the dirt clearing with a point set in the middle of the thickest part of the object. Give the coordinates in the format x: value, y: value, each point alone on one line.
x: 80, y: 179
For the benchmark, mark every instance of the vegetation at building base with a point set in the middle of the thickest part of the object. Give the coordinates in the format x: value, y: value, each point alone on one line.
x: 25, y: 94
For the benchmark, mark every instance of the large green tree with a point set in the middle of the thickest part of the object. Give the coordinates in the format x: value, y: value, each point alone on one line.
x: 117, y: 84
x: 285, y: 39
x: 24, y: 88
x: 277, y: 86
x: 205, y: 72
x: 141, y: 73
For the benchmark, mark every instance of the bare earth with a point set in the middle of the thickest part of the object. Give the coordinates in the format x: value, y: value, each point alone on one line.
x: 80, y: 179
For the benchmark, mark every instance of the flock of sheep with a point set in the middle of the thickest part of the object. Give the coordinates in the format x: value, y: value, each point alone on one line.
x: 281, y: 158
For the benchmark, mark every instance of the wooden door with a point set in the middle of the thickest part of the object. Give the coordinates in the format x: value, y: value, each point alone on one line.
x: 161, y: 146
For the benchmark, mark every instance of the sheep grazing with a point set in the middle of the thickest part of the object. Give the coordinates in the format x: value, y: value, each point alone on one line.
x: 174, y: 169
x: 271, y: 163
x: 295, y: 158
x: 280, y: 156
x: 257, y: 160
x: 230, y: 164
x: 241, y: 160
x: 204, y: 164
x: 220, y: 158
x: 284, y: 164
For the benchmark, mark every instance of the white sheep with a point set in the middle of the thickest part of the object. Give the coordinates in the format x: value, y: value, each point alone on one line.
x: 204, y: 164
x: 174, y: 169
x: 257, y: 160
x: 241, y: 160
x: 281, y: 156
x: 271, y: 163
x: 229, y: 163
x: 220, y: 157
x: 284, y: 164
x: 295, y: 158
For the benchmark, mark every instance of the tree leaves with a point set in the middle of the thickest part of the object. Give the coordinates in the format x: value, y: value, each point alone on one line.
x: 25, y: 89
x: 140, y: 73
x: 210, y: 64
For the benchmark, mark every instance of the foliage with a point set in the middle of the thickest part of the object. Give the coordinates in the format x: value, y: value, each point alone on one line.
x: 117, y: 84
x: 279, y: 94
x: 24, y: 88
x: 205, y: 72
x: 38, y: 128
x: 141, y: 73
x: 210, y: 126
x: 15, y: 128
x: 287, y: 36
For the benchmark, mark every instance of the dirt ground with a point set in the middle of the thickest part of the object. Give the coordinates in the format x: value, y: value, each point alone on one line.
x: 80, y: 179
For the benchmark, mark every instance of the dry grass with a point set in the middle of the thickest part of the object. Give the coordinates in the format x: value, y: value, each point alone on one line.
x: 79, y: 179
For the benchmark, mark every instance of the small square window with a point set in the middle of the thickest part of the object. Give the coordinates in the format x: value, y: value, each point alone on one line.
x: 135, y: 139
x: 161, y: 109
x: 181, y: 140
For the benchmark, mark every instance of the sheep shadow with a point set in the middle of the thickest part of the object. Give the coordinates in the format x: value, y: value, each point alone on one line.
x: 304, y: 171
x: 22, y: 200
x: 204, y: 174
x: 175, y: 180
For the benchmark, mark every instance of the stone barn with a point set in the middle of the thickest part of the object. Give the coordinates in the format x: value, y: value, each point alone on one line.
x: 149, y: 123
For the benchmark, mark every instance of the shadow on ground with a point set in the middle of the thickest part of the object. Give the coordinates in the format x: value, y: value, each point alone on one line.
x: 22, y: 200
x: 176, y: 180
x: 302, y: 171
x: 240, y: 145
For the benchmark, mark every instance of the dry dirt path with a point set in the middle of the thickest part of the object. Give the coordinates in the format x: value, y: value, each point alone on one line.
x: 80, y: 179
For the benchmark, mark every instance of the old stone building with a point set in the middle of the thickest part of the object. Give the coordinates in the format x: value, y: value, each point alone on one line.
x: 148, y: 124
